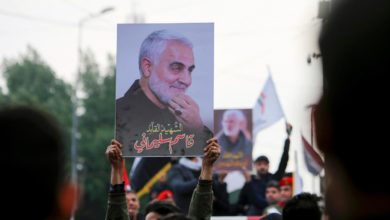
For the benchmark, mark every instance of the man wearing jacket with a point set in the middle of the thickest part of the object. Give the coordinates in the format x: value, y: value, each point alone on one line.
x: 252, y: 199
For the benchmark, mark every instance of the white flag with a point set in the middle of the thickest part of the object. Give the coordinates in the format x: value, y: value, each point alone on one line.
x: 297, y: 181
x: 267, y: 109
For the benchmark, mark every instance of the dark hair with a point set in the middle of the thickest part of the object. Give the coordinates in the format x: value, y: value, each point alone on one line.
x: 175, y: 216
x: 273, y: 184
x: 355, y: 47
x: 273, y: 216
x: 131, y: 191
x: 161, y: 207
x: 262, y: 158
x: 33, y: 160
x: 303, y: 206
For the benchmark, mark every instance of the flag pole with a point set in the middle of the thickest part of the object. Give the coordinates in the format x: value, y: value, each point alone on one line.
x: 271, y: 79
x: 311, y: 141
x: 313, y: 184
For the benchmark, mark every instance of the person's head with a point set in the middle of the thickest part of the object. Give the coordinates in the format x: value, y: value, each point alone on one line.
x: 33, y: 148
x: 132, y: 203
x: 350, y: 116
x: 231, y: 121
x: 157, y: 209
x: 273, y: 216
x: 175, y: 216
x: 272, y: 192
x: 286, y: 191
x: 303, y: 206
x: 166, y: 195
x: 262, y: 165
x: 166, y: 61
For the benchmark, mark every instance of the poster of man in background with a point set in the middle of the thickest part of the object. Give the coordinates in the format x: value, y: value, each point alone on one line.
x: 164, y: 93
x: 234, y: 132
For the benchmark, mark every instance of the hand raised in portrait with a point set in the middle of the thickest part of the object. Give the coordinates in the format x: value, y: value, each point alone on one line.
x: 186, y: 111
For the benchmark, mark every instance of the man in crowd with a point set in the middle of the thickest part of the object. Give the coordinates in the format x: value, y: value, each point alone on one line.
x: 252, y: 196
x: 33, y: 156
x: 286, y: 190
x: 133, y: 206
x: 272, y: 195
x: 303, y: 206
x: 351, y: 116
x: 183, y: 178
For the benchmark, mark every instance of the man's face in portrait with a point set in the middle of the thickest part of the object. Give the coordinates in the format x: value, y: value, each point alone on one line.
x: 171, y: 73
x: 231, y: 125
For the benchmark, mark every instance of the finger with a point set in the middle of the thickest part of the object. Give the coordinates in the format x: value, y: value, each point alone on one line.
x: 118, y: 154
x: 187, y: 99
x: 116, y: 149
x: 113, y: 151
x: 218, y: 147
x: 215, y: 149
x: 213, y: 145
x: 176, y: 111
x: 179, y: 100
x: 209, y: 145
x: 214, y: 152
x: 178, y: 117
x: 171, y: 109
x: 111, y: 155
x: 115, y: 142
x: 214, y: 139
x: 109, y: 150
x: 206, y: 150
x: 174, y: 105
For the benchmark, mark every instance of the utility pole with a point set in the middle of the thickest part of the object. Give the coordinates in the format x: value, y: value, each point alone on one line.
x: 75, y: 100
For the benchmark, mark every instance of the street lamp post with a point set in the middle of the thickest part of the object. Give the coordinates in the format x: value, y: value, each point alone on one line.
x: 76, y: 86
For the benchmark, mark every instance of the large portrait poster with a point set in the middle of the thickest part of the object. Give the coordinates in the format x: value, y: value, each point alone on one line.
x: 233, y: 128
x: 164, y: 88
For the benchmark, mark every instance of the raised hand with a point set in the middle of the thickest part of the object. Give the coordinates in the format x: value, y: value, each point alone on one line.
x: 114, y: 154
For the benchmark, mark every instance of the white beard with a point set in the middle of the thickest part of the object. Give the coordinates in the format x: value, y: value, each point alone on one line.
x: 234, y: 132
x: 161, y: 89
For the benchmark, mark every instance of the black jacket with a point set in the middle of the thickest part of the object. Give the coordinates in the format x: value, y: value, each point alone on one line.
x: 252, y: 199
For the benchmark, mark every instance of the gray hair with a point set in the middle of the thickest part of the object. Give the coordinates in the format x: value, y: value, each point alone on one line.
x: 155, y: 43
x: 238, y: 113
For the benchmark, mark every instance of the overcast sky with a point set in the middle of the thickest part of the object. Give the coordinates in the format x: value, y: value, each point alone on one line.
x: 249, y: 35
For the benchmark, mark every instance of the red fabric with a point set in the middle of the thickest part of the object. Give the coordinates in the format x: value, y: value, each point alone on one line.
x: 125, y: 177
x: 166, y: 194
x: 286, y: 181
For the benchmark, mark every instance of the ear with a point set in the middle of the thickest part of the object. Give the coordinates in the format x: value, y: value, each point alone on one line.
x: 67, y: 199
x: 146, y: 66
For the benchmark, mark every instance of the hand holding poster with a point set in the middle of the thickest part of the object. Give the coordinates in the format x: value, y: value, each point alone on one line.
x: 164, y: 104
x: 234, y: 133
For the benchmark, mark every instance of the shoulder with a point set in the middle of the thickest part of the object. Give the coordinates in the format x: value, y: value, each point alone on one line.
x: 129, y: 97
